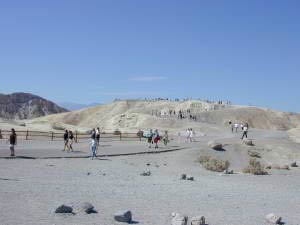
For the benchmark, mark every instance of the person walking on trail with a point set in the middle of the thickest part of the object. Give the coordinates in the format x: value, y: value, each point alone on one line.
x: 156, y: 138
x: 70, y: 141
x: 236, y: 126
x: 188, y: 135
x: 93, y: 144
x: 12, y: 142
x: 245, y: 132
x: 149, y: 138
x: 98, y: 136
x: 66, y: 140
x: 166, y: 138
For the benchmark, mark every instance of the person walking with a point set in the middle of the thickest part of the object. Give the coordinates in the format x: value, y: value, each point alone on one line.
x: 93, y: 144
x: 98, y: 136
x: 70, y: 141
x: 245, y: 132
x: 66, y: 140
x: 236, y: 126
x: 156, y: 138
x: 12, y: 142
x: 166, y: 138
x: 150, y: 138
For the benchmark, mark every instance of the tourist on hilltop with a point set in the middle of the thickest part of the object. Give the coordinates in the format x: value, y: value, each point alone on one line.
x: 150, y: 138
x: 156, y: 138
x: 66, y: 140
x: 188, y: 135
x: 93, y: 144
x: 245, y: 132
x: 70, y: 140
x: 166, y: 138
x: 98, y: 136
x: 12, y: 141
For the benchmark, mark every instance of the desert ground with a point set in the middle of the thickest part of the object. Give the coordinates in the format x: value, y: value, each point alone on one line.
x: 44, y: 177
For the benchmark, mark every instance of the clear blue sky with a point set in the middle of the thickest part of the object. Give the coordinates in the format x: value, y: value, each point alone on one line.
x: 95, y: 51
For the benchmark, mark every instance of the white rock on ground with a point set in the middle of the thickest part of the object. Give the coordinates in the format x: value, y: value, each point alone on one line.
x: 198, y: 220
x: 179, y: 219
x: 272, y: 218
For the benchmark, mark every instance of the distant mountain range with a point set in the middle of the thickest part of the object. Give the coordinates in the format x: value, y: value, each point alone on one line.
x: 26, y: 106
x: 71, y: 106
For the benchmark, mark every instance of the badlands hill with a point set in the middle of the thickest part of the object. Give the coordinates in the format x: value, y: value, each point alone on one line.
x: 26, y: 106
x: 132, y: 115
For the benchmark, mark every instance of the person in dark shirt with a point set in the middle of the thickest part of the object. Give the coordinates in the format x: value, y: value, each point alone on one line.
x: 12, y: 141
x: 70, y: 141
x: 66, y: 140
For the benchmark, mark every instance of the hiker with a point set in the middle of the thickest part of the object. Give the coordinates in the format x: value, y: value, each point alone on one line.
x: 156, y: 138
x: 232, y: 128
x: 150, y: 138
x: 93, y: 143
x: 188, y: 135
x: 12, y: 141
x: 98, y: 136
x: 166, y: 138
x: 70, y: 140
x: 245, y: 132
x: 66, y: 140
x: 192, y: 135
x: 236, y: 126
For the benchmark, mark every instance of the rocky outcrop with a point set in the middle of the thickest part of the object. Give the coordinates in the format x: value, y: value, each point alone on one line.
x: 26, y: 106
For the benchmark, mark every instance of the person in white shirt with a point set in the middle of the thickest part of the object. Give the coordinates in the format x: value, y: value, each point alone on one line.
x: 245, y: 132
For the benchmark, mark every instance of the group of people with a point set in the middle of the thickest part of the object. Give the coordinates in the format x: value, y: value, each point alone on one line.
x: 155, y: 138
x: 68, y: 140
x: 243, y: 126
x: 190, y: 134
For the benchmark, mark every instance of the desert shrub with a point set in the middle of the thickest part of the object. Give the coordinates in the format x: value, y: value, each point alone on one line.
x: 254, y: 154
x: 255, y: 168
x: 213, y: 164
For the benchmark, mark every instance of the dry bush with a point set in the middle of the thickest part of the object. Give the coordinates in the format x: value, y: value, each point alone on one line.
x: 213, y: 164
x: 254, y: 154
x: 255, y: 168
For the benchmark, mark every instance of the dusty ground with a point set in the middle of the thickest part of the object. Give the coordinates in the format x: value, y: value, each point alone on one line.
x: 31, y: 190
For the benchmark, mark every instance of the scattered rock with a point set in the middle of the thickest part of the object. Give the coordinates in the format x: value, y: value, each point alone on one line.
x: 146, y: 173
x: 215, y: 145
x: 183, y: 177
x: 228, y: 171
x: 271, y: 218
x: 88, y: 173
x: 179, y: 219
x: 248, y: 142
x: 148, y: 164
x: 198, y: 220
x: 123, y: 216
x: 64, y: 209
x: 190, y: 178
x: 85, y: 207
x: 294, y: 164
x: 254, y: 154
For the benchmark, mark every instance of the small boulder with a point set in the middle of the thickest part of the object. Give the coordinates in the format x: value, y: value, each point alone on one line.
x: 198, y: 220
x: 146, y: 173
x: 183, y: 177
x: 247, y: 141
x: 271, y: 218
x: 190, y: 178
x: 294, y: 164
x: 123, y: 216
x: 179, y: 219
x: 215, y: 145
x: 268, y: 167
x: 64, y: 209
